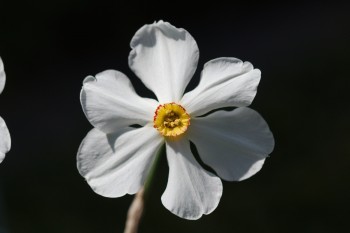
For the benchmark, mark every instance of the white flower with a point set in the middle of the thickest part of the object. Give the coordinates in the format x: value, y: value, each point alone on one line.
x: 5, y: 140
x: 115, y: 158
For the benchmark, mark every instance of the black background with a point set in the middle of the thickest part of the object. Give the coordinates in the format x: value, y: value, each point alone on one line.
x: 48, y: 47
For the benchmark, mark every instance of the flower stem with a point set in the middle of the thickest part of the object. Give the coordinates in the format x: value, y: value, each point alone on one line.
x: 152, y: 172
x: 137, y: 206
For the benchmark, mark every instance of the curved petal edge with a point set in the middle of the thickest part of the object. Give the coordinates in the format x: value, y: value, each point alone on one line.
x: 225, y: 82
x: 5, y: 139
x: 2, y: 76
x: 164, y: 58
x: 110, y: 102
x: 118, y: 164
x: 242, y: 142
x: 191, y: 191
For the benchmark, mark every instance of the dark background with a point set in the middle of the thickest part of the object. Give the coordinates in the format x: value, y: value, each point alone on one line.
x: 48, y: 47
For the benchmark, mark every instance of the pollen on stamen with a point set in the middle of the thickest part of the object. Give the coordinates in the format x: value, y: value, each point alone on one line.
x: 171, y: 119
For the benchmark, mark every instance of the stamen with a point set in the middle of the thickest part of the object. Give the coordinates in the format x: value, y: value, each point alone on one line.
x: 171, y: 119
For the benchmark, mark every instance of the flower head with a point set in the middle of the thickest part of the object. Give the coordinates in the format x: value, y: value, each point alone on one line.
x: 5, y: 140
x: 115, y: 158
x: 171, y: 119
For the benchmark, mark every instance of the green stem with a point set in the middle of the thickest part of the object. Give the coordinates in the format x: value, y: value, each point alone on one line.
x: 149, y: 180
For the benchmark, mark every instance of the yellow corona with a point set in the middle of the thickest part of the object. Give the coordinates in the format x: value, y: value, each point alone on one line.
x: 171, y: 119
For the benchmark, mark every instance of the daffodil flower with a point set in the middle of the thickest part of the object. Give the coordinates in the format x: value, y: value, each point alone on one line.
x: 5, y: 140
x: 115, y: 158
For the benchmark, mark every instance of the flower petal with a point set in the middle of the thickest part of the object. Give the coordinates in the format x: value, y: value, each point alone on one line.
x: 191, y: 191
x: 2, y: 76
x: 225, y: 82
x: 164, y: 58
x: 110, y: 102
x: 235, y: 144
x: 5, y: 140
x: 117, y: 164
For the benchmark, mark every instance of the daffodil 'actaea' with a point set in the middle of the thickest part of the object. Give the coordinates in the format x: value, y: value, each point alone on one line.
x: 5, y: 140
x: 115, y: 158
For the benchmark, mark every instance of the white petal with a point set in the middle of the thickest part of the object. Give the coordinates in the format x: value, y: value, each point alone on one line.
x: 191, y: 191
x: 235, y: 144
x: 2, y: 76
x: 117, y: 164
x: 224, y: 82
x: 110, y: 102
x: 5, y: 140
x: 164, y: 58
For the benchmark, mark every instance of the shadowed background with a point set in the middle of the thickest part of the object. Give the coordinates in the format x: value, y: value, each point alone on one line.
x: 49, y: 47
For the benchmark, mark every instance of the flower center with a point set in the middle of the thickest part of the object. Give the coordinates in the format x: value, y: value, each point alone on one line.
x: 171, y: 119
